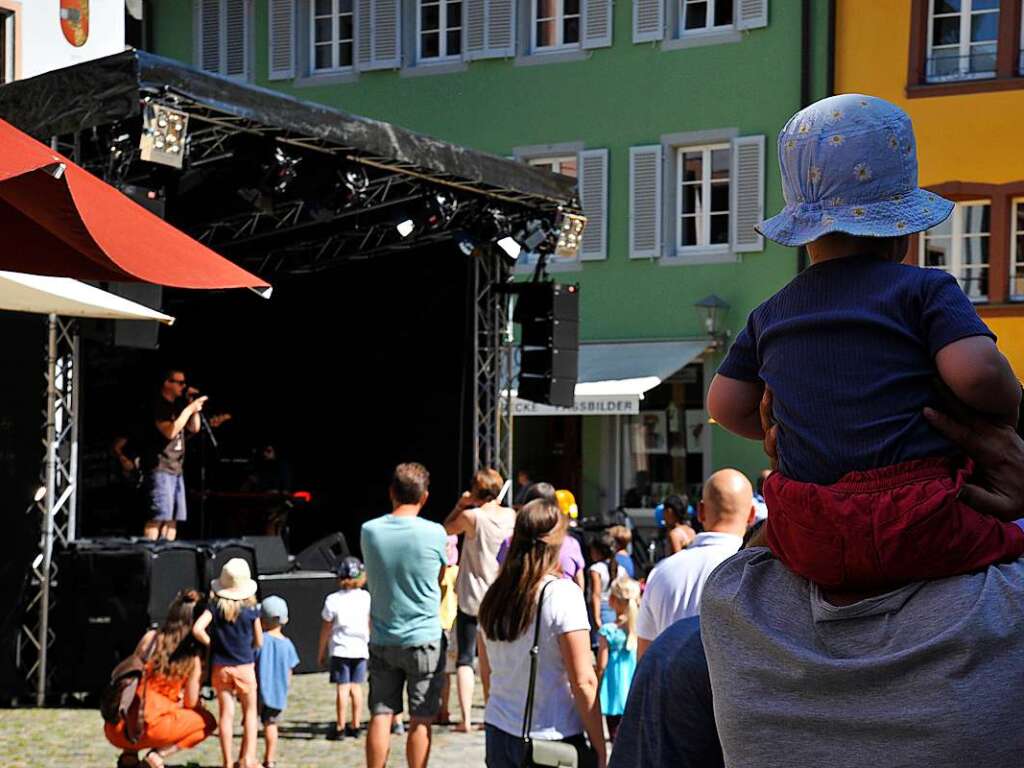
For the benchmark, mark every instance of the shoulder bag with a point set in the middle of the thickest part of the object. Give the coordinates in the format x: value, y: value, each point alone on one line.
x: 120, y: 700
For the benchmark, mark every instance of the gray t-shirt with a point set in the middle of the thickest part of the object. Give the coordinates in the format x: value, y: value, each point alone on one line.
x: 931, y: 674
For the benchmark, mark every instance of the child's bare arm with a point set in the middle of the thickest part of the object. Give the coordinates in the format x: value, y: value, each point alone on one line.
x: 325, y: 634
x: 257, y: 634
x: 199, y: 628
x: 735, y: 405
x: 981, y: 377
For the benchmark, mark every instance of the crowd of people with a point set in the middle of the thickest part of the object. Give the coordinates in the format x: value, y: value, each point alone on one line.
x: 858, y: 607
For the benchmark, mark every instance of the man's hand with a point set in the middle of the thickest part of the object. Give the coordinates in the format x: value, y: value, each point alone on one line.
x: 998, y: 454
x: 197, y: 405
x: 770, y: 429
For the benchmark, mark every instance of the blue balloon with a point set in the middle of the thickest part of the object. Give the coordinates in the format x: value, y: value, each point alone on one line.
x: 659, y: 515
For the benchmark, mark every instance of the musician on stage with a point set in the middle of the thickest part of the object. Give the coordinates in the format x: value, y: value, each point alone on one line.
x: 163, y: 454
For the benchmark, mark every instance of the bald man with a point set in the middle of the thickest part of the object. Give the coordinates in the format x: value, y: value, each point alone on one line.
x: 674, y: 587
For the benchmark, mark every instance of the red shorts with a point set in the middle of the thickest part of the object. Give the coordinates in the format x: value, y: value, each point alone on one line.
x: 885, y: 527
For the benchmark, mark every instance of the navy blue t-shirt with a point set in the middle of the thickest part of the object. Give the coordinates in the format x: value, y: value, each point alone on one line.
x: 231, y: 642
x: 848, y: 348
x: 669, y: 718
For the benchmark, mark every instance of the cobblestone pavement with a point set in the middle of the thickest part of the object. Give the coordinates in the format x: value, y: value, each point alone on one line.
x: 34, y: 738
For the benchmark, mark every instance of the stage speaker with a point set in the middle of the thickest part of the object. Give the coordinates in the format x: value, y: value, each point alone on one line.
x: 271, y: 554
x: 304, y: 591
x: 323, y: 555
x: 216, y: 552
x: 549, y: 364
x: 109, y: 592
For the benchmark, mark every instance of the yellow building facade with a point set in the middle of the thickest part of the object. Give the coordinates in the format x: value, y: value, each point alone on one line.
x: 957, y: 68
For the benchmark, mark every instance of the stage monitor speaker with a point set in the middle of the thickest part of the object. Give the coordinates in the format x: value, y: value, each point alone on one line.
x: 323, y: 555
x: 549, y: 360
x: 304, y: 591
x: 216, y: 552
x: 271, y: 554
x: 109, y: 593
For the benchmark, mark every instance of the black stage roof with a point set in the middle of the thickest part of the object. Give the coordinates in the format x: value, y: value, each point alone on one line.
x: 276, y: 183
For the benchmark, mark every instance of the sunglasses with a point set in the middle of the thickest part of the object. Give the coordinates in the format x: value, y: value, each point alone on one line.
x: 177, y: 381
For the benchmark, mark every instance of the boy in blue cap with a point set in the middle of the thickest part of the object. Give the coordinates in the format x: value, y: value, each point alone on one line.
x: 867, y: 494
x: 274, y: 664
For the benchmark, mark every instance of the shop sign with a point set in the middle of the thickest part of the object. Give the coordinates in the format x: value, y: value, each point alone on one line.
x: 584, y: 406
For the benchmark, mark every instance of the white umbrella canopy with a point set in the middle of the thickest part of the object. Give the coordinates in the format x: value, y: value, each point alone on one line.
x: 21, y: 292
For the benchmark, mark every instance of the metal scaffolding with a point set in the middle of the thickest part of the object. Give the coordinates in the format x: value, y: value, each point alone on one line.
x: 57, y: 505
x: 492, y: 369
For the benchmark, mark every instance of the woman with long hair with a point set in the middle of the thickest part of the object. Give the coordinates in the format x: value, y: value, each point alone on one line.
x: 174, y: 718
x: 565, y: 703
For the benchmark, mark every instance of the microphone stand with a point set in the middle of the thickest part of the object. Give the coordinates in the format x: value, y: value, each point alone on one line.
x: 202, y: 471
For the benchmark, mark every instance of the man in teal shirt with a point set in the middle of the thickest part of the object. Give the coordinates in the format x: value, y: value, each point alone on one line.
x: 405, y: 557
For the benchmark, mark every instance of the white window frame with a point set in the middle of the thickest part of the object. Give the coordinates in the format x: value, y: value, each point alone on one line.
x: 966, y: 13
x: 335, y: 40
x: 705, y: 185
x: 442, y: 31
x: 559, y: 18
x: 1016, y: 205
x: 707, y: 29
x: 955, y: 266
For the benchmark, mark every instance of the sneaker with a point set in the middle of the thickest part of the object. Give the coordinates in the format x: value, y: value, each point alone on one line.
x: 352, y: 732
x: 398, y: 728
x: 335, y: 734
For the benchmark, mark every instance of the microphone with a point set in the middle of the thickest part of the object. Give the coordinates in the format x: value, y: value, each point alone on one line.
x: 192, y: 393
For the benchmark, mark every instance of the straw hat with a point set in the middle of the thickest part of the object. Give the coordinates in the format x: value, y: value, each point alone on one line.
x: 235, y: 582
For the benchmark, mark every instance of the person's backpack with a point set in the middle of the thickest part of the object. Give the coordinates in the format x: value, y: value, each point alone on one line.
x: 120, y: 700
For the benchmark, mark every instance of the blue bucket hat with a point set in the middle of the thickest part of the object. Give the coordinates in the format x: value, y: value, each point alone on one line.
x: 849, y: 164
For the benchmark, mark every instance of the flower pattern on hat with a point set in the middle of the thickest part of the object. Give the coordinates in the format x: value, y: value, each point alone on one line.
x: 862, y: 172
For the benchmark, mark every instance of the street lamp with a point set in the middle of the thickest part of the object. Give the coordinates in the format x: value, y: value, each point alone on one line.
x: 712, y: 310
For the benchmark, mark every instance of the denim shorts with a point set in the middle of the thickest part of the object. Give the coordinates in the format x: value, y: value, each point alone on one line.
x: 344, y: 671
x: 419, y: 669
x: 165, y: 494
x: 465, y: 637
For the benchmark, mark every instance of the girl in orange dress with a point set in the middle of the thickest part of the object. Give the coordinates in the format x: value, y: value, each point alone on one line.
x: 174, y: 718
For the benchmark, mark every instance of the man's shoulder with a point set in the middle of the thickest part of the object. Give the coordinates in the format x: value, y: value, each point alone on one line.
x: 679, y: 643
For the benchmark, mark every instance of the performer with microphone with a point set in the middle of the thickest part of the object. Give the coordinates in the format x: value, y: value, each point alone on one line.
x: 163, y: 455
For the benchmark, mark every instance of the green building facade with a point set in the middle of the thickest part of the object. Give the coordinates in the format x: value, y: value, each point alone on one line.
x: 667, y: 110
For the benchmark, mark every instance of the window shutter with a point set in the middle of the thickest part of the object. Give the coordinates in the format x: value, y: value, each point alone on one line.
x: 747, y: 193
x: 208, y: 37
x: 648, y: 20
x: 644, y: 202
x: 377, y: 34
x: 597, y: 23
x: 490, y: 29
x: 281, y: 43
x: 593, y: 186
x: 751, y: 14
x: 236, y: 25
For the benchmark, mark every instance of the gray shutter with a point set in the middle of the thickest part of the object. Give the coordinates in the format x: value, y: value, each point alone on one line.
x: 597, y: 23
x: 378, y: 28
x: 645, y: 202
x: 593, y: 186
x: 281, y: 42
x: 208, y: 35
x: 490, y: 29
x: 751, y: 14
x: 236, y: 28
x: 648, y: 20
x: 747, y: 193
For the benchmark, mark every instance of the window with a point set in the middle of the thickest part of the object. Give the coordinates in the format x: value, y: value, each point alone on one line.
x: 704, y: 16
x: 333, y: 34
x: 702, y: 200
x: 439, y: 34
x: 556, y: 24
x: 960, y: 246
x: 1017, y: 250
x: 962, y: 39
x: 222, y: 32
x: 6, y: 46
x: 565, y: 165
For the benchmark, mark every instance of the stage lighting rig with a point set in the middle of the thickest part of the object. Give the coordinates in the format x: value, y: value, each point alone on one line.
x: 510, y: 247
x: 405, y: 227
x: 164, y: 135
x: 282, y: 173
x: 570, y: 234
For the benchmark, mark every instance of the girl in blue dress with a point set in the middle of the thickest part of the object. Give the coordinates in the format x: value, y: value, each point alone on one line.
x: 616, y: 656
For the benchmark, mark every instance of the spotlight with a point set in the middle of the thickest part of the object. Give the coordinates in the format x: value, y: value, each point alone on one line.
x: 465, y: 243
x: 283, y: 172
x: 163, y: 135
x: 37, y: 562
x: 511, y: 248
x: 533, y: 235
x: 570, y: 234
x: 405, y: 227
x: 40, y: 493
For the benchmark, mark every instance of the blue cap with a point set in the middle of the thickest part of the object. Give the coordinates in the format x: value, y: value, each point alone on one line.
x: 350, y: 568
x: 849, y: 164
x: 274, y: 608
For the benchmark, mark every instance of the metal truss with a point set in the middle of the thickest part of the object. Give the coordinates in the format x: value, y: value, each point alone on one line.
x: 57, y: 506
x: 492, y: 364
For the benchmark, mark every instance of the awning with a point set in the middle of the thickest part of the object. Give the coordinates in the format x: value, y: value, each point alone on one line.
x: 70, y: 298
x: 58, y: 219
x: 614, y: 376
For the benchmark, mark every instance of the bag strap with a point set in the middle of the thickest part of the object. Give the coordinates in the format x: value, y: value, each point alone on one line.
x: 534, y: 654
